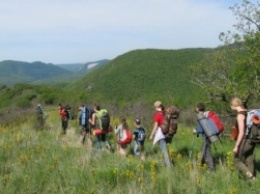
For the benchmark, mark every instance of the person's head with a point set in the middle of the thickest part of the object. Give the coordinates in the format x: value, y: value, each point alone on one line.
x: 137, y: 122
x: 39, y: 105
x: 123, y: 120
x: 60, y: 106
x: 81, y: 107
x: 236, y: 103
x: 158, y: 106
x: 200, y: 107
x: 97, y: 108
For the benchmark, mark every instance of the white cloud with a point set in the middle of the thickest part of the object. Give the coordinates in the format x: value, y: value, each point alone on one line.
x: 94, y: 29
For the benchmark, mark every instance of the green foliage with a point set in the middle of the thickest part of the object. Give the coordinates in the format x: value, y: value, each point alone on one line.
x: 25, y: 95
x: 46, y: 162
x: 145, y: 75
x: 235, y: 67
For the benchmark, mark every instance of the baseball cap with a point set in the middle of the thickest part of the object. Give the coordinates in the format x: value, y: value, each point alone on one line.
x: 157, y: 104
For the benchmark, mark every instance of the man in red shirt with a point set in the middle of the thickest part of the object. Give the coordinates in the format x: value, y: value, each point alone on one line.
x: 157, y: 135
x: 64, y: 118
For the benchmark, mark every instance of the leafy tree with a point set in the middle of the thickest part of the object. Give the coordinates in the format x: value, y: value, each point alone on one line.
x: 235, y: 67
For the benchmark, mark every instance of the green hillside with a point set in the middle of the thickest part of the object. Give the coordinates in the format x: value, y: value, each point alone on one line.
x: 12, y: 72
x: 145, y: 75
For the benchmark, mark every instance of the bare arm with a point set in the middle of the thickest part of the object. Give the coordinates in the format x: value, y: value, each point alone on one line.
x: 117, y: 129
x: 93, y: 119
x: 155, y: 127
x: 241, y: 129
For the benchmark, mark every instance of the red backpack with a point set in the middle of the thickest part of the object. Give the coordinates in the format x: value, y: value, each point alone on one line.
x: 127, y: 137
x: 214, y: 117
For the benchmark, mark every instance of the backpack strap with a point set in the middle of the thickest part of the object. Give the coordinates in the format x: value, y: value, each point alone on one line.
x: 247, y: 131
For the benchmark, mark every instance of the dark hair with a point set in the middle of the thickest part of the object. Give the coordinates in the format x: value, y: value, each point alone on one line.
x: 97, y: 107
x: 201, y: 106
x: 60, y: 104
x: 162, y: 107
x: 137, y: 121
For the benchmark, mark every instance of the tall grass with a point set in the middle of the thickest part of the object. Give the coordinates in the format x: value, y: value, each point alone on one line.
x: 33, y: 161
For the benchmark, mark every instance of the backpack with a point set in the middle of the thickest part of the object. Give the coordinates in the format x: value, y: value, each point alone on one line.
x: 103, y: 119
x: 208, y: 127
x: 85, y: 115
x: 170, y: 124
x: 68, y: 113
x: 141, y: 134
x: 215, y: 119
x: 127, y: 137
x: 253, y: 126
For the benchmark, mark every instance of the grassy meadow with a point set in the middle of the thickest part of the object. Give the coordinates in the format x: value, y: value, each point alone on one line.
x: 33, y: 161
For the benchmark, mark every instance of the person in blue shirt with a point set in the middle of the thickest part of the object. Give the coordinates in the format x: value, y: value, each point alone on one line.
x: 139, y: 138
x: 206, y: 157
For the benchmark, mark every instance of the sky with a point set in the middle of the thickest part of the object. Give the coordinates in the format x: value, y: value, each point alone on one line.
x: 75, y: 31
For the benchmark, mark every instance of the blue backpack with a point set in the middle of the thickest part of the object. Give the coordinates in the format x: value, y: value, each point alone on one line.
x: 85, y: 116
x: 141, y: 135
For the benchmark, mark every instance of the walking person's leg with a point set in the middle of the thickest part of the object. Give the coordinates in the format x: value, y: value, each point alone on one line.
x: 136, y: 148
x: 249, y: 157
x: 164, y: 149
x: 245, y: 152
x: 208, y: 156
x: 98, y: 142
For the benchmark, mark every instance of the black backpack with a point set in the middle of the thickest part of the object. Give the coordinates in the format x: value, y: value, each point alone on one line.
x: 103, y: 119
x: 254, y: 134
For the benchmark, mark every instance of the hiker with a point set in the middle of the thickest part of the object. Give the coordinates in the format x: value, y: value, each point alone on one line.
x: 84, y: 115
x: 124, y: 136
x: 244, y: 148
x: 69, y: 112
x: 39, y: 117
x: 64, y: 118
x: 205, y: 147
x: 139, y: 138
x: 80, y: 114
x: 100, y: 122
x: 157, y: 135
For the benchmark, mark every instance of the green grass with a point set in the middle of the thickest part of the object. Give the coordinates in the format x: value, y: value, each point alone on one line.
x: 35, y: 161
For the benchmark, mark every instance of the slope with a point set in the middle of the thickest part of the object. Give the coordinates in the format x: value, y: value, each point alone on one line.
x: 12, y: 72
x: 145, y: 75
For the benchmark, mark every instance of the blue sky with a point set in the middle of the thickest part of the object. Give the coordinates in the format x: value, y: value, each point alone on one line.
x: 68, y: 31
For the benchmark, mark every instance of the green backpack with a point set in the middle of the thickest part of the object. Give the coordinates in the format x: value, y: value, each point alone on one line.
x: 103, y: 119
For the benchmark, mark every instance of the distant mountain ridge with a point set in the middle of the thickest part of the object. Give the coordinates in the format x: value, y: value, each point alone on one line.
x: 83, y: 68
x: 12, y: 72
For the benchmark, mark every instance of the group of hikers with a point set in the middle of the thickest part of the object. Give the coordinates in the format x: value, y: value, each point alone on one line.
x: 96, y: 121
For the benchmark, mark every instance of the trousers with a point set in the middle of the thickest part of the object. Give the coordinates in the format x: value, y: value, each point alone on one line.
x: 244, y: 159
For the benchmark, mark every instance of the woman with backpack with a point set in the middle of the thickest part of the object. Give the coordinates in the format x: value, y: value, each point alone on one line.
x: 244, y: 148
x: 157, y: 134
x: 97, y: 125
x: 124, y: 136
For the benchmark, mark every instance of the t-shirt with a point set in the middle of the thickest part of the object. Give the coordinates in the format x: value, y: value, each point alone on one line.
x: 158, y: 118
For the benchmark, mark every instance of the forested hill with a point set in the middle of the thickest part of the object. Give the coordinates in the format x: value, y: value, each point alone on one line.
x: 145, y: 75
x: 12, y: 72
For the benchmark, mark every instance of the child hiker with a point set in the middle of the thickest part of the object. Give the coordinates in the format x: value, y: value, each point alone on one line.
x: 139, y: 138
x: 124, y: 136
